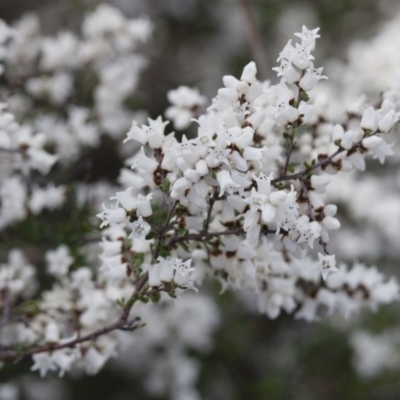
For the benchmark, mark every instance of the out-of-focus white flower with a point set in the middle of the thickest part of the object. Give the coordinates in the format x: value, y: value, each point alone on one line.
x: 186, y: 104
x: 327, y: 264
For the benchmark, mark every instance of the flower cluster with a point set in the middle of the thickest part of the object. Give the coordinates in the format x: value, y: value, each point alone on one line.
x: 234, y: 186
x: 242, y: 202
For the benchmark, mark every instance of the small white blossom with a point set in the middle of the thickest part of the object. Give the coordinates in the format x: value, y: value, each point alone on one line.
x: 140, y: 229
x: 327, y: 264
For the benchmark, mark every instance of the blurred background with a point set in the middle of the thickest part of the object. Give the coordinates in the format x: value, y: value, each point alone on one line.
x: 195, y: 43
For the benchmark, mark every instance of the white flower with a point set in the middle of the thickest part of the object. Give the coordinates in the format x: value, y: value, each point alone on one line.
x: 371, y: 142
x: 186, y: 102
x: 249, y: 73
x: 140, y: 229
x: 308, y: 36
x: 184, y: 267
x: 65, y: 359
x: 142, y: 163
x: 59, y: 261
x: 387, y: 122
x: 111, y: 216
x: 326, y: 264
x: 144, y: 206
x: 311, y: 77
x: 350, y: 138
x: 59, y: 52
x: 50, y: 197
x: 309, y: 231
x: 369, y: 120
x: 43, y: 363
x: 330, y: 223
x: 9, y: 391
x: 226, y: 183
x: 94, y: 360
x: 288, y: 72
x: 308, y: 310
x: 41, y: 160
x: 154, y: 271
x: 110, y: 247
x: 382, y: 151
x: 166, y: 269
x: 182, y: 271
x: 319, y: 183
x: 52, y: 332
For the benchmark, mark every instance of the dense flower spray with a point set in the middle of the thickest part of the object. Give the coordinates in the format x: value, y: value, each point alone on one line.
x: 241, y: 202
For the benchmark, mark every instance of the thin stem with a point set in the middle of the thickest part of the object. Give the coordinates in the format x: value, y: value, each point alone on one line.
x: 311, y: 213
x: 292, y: 134
x: 5, y: 319
x: 289, y: 152
x: 254, y: 38
x: 209, y: 235
x: 212, y: 201
x: 121, y: 323
x: 305, y: 172
x: 12, y: 151
x: 163, y: 230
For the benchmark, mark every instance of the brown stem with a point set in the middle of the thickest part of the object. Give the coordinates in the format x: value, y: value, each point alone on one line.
x: 163, y: 230
x: 311, y: 213
x: 304, y: 173
x: 209, y: 235
x: 292, y: 134
x: 5, y: 319
x: 212, y: 201
x: 254, y: 38
x: 121, y: 323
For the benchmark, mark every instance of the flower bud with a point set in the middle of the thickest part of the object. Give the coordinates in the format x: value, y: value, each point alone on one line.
x: 346, y: 166
x: 249, y: 73
x: 236, y: 202
x: 201, y: 168
x: 169, y: 161
x: 292, y: 74
x: 331, y: 223
x: 386, y: 124
x: 319, y: 182
x: 371, y: 142
x: 308, y: 81
x: 228, y: 94
x: 358, y: 161
x: 369, y: 119
x: 348, y: 140
x: 291, y: 113
x: 144, y: 206
x: 181, y: 185
x: 52, y: 332
x: 252, y: 153
x: 201, y: 188
x: 316, y: 200
x: 256, y: 119
x: 191, y: 175
x: 277, y: 198
x: 230, y: 82
x: 330, y: 210
x: 243, y: 87
x: 239, y: 162
x: 154, y: 274
x: 245, y: 139
x: 337, y: 133
x: 166, y: 270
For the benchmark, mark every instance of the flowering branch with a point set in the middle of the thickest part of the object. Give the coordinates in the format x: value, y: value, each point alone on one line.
x: 227, y: 210
x: 121, y: 324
